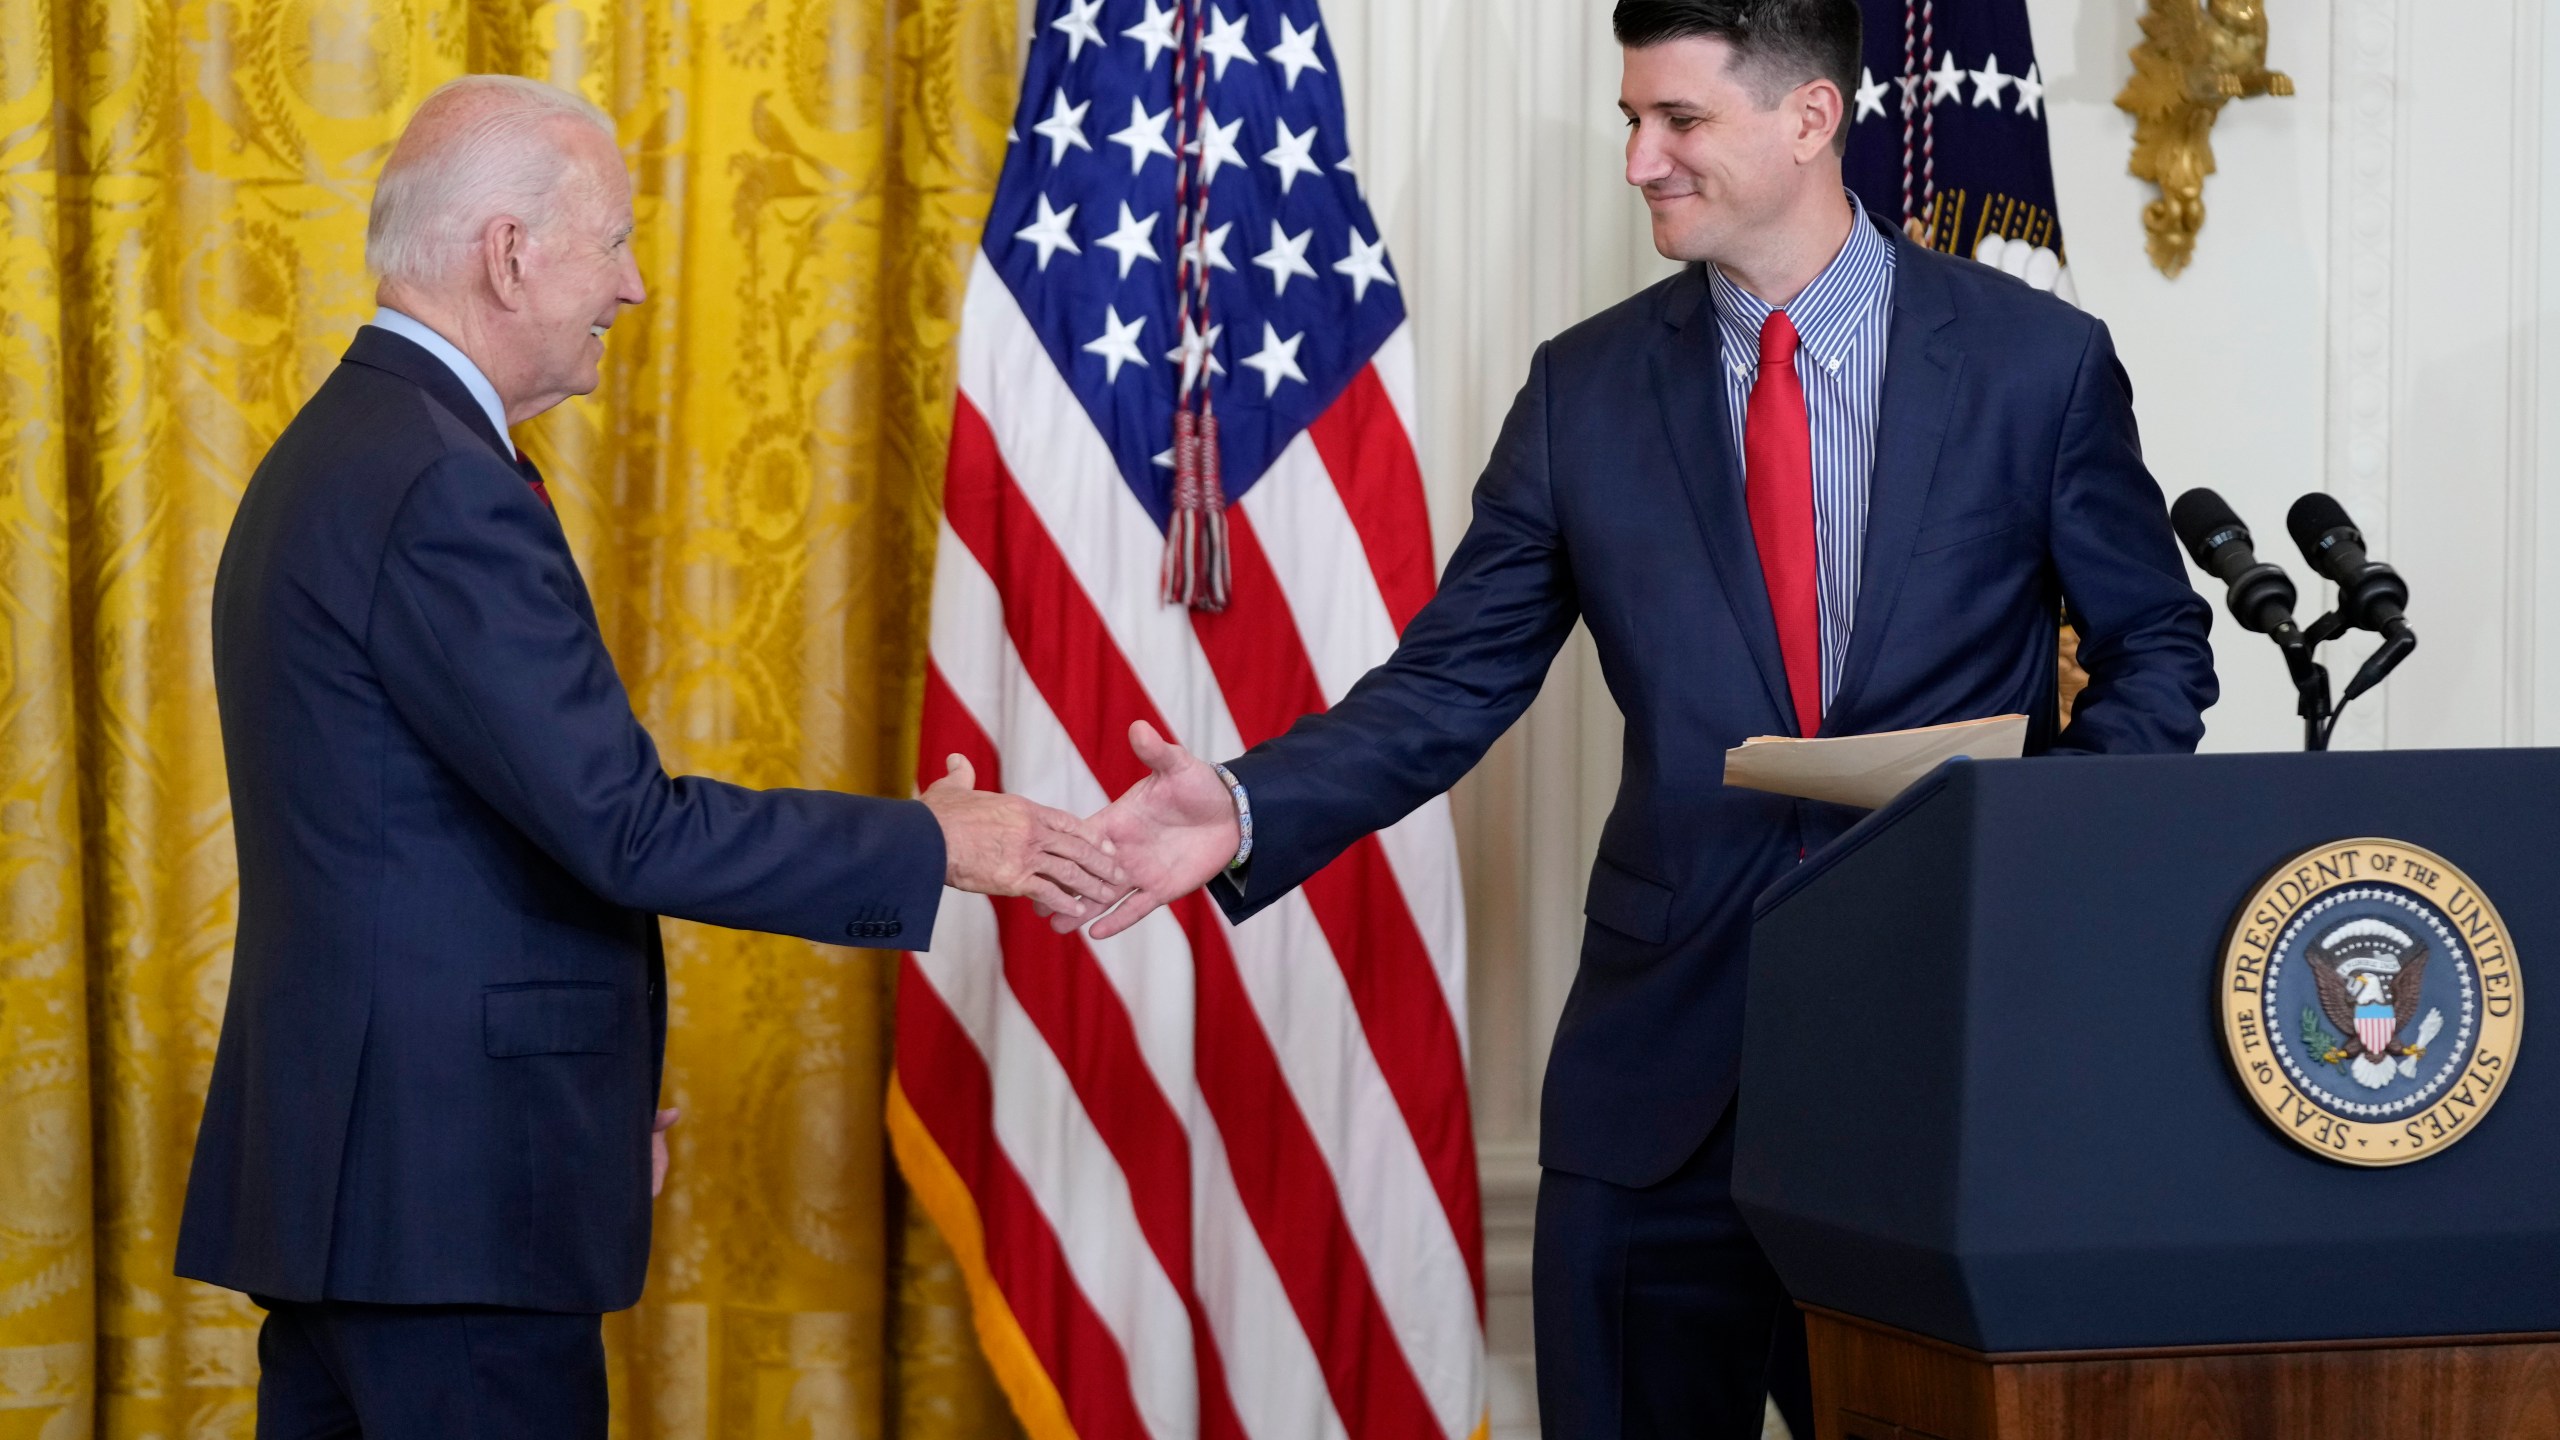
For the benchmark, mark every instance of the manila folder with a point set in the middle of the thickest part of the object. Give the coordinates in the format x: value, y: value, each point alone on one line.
x: 1868, y: 770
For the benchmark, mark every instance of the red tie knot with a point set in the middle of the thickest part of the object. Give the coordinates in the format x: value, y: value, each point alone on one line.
x: 1777, y: 340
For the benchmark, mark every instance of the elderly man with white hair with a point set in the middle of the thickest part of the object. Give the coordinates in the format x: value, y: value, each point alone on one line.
x: 431, y: 1139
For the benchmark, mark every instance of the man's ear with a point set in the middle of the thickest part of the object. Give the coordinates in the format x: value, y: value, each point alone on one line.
x: 1821, y: 110
x: 502, y: 259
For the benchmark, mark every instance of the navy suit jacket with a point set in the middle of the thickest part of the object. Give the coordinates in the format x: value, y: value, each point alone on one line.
x: 2008, y: 478
x: 447, y: 1016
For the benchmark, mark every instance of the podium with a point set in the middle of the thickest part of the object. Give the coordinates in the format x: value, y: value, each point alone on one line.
x: 1993, y: 1136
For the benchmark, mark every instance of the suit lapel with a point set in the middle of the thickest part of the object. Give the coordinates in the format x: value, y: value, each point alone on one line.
x: 1911, y: 428
x: 1688, y: 381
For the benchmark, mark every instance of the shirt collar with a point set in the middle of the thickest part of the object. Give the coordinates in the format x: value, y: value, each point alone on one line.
x: 1827, y: 313
x: 415, y: 331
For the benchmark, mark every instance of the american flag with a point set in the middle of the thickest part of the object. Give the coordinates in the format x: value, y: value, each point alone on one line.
x: 1204, y: 1180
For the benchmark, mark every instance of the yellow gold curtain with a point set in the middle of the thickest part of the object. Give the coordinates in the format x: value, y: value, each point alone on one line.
x: 183, y: 186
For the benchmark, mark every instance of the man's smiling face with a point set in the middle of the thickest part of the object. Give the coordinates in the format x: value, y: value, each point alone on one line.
x: 1716, y: 157
x: 579, y: 269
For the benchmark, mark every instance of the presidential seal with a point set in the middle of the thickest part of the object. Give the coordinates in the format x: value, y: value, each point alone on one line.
x: 2371, y: 1001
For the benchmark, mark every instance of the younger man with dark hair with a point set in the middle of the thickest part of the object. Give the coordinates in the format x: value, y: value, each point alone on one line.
x: 1823, y: 481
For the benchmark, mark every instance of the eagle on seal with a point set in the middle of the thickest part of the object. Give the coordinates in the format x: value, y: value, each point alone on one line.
x: 2369, y: 974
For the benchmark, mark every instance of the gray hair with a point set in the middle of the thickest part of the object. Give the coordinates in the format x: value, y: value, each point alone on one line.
x: 430, y: 206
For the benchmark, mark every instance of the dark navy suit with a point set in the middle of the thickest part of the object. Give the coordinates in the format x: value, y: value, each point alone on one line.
x: 2008, y: 479
x: 447, y: 1015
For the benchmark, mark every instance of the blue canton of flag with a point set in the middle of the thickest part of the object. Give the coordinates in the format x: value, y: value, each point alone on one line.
x: 1947, y: 134
x: 1085, y: 227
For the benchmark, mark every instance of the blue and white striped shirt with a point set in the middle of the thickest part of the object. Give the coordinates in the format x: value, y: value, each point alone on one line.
x: 1841, y: 321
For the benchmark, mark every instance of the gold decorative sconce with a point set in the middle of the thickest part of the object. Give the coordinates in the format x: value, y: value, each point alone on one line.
x: 2195, y: 56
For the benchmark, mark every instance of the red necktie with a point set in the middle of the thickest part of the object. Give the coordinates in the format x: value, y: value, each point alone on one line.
x: 1777, y: 487
x: 533, y: 477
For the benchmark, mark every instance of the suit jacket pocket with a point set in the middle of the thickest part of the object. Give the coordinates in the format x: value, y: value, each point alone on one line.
x: 1973, y: 525
x: 1628, y: 903
x: 550, y: 1019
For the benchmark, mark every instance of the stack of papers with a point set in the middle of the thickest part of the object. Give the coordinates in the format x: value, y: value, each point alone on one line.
x: 1868, y: 770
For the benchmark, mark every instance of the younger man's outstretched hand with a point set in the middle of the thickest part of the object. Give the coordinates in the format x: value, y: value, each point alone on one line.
x: 1171, y: 833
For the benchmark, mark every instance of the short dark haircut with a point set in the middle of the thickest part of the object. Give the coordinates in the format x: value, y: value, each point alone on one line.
x: 1777, y: 44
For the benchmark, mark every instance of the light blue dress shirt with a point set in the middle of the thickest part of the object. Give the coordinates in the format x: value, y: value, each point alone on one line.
x: 1841, y: 321
x: 415, y: 331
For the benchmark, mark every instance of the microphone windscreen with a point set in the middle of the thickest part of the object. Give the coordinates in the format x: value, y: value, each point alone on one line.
x: 2197, y: 517
x: 2313, y: 516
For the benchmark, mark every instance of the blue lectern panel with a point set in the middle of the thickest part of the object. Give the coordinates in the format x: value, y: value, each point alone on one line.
x: 1985, y: 1095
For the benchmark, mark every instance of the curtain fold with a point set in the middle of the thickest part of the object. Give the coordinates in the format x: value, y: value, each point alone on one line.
x: 753, y: 493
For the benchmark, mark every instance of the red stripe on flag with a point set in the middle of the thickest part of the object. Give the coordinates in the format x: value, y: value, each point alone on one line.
x: 1055, y: 627
x: 1274, y: 1159
x: 1262, y: 666
x: 1077, y: 1010
x: 1296, y: 1211
x: 1061, y: 987
x: 947, y: 728
x: 946, y: 1080
x: 1362, y: 442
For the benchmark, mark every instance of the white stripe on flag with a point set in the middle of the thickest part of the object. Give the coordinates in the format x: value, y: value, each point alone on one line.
x: 1079, y: 1187
x: 1272, y: 1372
x: 1316, y: 554
x: 1402, y: 1230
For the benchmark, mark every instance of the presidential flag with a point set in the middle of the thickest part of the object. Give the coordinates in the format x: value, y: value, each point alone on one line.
x: 1947, y: 134
x: 1204, y: 1180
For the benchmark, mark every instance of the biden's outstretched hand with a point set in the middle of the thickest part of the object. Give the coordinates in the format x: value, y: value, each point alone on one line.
x: 1001, y: 844
x: 1171, y: 833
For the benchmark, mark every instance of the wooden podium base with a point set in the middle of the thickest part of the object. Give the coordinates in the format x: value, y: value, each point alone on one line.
x: 1873, y: 1382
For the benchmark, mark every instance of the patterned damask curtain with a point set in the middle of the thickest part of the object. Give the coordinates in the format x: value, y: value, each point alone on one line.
x: 183, y: 186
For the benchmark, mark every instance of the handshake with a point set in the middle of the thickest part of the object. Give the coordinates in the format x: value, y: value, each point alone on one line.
x: 1169, y: 835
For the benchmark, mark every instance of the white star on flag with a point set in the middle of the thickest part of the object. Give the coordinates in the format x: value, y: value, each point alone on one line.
x: 1290, y: 157
x: 2031, y: 92
x: 1145, y: 135
x: 1296, y: 50
x: 1870, y: 95
x: 1365, y: 265
x: 1118, y: 343
x: 1077, y: 22
x: 1195, y: 349
x: 1910, y: 91
x: 1946, y: 80
x: 1225, y: 40
x: 1286, y: 257
x: 1064, y: 129
x: 1988, y: 82
x: 1277, y: 360
x: 1155, y: 32
x: 1133, y: 241
x: 1049, y: 232
x: 1216, y: 146
x: 1214, y: 246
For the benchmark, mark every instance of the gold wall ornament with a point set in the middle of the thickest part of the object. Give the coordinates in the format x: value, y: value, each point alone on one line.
x: 2194, y: 58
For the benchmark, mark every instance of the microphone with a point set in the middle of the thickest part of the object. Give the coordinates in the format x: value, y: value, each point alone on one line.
x: 2262, y: 595
x: 2371, y: 595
